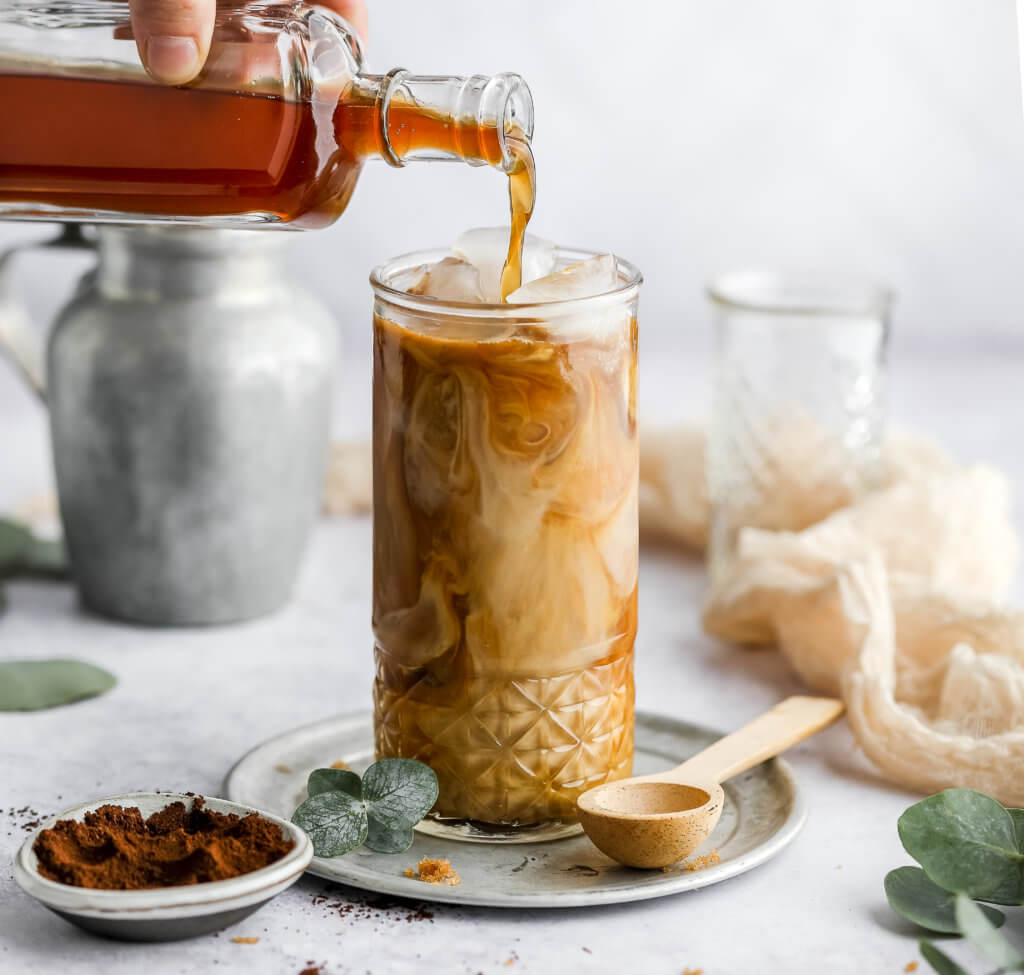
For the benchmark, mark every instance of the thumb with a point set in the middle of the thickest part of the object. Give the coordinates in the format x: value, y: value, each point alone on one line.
x: 173, y: 36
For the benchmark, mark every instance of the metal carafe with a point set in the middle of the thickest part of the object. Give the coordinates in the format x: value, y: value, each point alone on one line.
x: 189, y: 388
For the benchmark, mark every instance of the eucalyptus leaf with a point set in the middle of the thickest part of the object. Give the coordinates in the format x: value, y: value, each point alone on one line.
x: 401, y: 791
x: 33, y: 685
x: 1017, y: 815
x: 47, y: 557
x: 924, y: 902
x: 21, y: 553
x: 380, y: 839
x: 334, y: 780
x: 335, y: 822
x: 15, y: 543
x: 380, y: 810
x: 979, y: 931
x: 939, y: 960
x: 967, y: 843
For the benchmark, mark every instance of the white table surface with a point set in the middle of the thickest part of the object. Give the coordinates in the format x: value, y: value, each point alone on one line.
x: 190, y: 702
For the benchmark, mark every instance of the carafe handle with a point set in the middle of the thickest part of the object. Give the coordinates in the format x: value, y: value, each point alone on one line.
x: 17, y: 343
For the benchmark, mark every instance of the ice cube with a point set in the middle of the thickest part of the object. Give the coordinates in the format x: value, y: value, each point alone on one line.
x: 594, y: 276
x: 451, y: 279
x: 486, y: 249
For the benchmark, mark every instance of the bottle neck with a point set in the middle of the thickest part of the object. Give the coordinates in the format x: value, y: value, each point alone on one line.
x: 480, y: 120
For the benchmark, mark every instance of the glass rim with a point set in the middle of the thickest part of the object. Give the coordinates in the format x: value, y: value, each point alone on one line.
x: 801, y: 293
x: 629, y: 286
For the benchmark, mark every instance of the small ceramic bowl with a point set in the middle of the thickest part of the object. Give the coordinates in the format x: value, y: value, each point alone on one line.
x: 165, y: 913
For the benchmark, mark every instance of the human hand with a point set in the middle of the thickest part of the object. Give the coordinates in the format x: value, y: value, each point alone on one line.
x: 173, y: 36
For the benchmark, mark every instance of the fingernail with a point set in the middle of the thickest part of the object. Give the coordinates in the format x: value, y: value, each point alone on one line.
x: 172, y: 60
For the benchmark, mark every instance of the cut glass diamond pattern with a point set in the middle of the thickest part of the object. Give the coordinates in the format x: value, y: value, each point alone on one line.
x: 511, y: 751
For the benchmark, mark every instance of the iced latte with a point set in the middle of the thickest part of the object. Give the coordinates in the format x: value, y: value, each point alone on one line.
x: 505, y: 528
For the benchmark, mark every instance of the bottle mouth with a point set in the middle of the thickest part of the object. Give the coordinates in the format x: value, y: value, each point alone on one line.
x: 491, y: 115
x: 515, y: 115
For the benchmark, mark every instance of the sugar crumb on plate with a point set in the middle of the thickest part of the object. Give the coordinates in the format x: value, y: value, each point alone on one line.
x: 701, y: 863
x: 431, y: 871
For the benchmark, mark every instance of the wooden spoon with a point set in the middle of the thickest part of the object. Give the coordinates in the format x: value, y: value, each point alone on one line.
x: 656, y: 820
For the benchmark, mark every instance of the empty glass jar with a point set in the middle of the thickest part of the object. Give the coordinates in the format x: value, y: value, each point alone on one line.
x: 799, y: 401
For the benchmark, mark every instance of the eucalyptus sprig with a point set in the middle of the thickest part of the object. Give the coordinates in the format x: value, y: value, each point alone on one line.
x: 379, y: 810
x: 23, y: 554
x: 34, y: 685
x: 970, y: 848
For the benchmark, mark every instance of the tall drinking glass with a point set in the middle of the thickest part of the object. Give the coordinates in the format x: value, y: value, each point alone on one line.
x: 505, y: 547
x: 799, y: 401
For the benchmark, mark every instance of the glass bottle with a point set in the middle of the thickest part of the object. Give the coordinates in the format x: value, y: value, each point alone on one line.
x: 273, y: 132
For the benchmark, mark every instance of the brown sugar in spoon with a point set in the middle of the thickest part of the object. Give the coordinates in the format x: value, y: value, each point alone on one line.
x: 656, y: 820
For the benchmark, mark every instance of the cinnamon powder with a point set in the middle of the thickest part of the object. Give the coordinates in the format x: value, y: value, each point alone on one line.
x: 114, y: 848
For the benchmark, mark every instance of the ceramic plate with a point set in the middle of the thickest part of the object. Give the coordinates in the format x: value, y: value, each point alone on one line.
x: 763, y: 813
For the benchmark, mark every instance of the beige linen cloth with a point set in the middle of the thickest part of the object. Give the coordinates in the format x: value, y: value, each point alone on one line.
x: 891, y: 601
